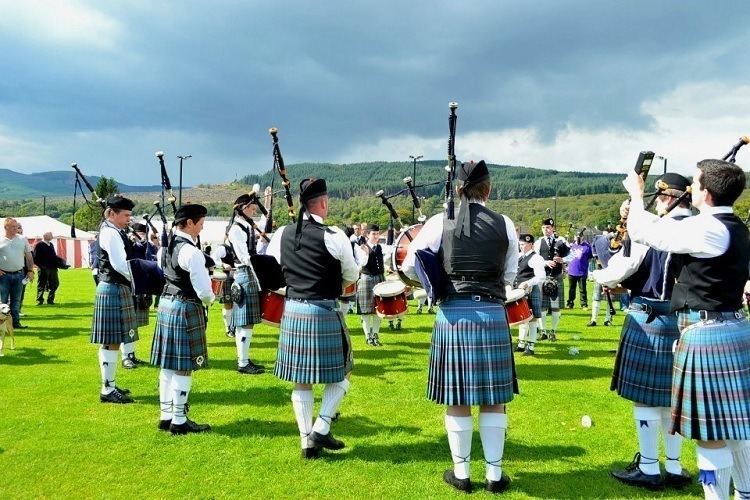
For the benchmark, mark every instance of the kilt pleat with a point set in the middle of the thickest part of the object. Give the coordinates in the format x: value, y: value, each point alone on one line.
x: 471, y: 358
x: 366, y: 292
x: 559, y: 302
x: 711, y: 395
x: 535, y: 301
x: 142, y: 314
x: 644, y: 362
x: 114, y: 320
x: 314, y: 345
x: 180, y: 337
x: 249, y: 312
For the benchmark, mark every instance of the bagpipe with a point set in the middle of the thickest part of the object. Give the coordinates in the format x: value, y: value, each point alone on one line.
x: 279, y: 167
x: 95, y: 198
x: 642, y: 167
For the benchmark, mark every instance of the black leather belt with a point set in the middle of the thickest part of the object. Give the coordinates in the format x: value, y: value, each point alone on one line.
x: 13, y: 272
x: 475, y: 297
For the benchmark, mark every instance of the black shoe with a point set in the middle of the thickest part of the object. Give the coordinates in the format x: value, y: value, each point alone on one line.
x: 592, y: 323
x: 230, y: 334
x: 137, y: 360
x: 528, y: 352
x: 607, y: 323
x: 116, y: 397
x: 678, y: 481
x: 543, y: 336
x: 20, y: 327
x: 398, y: 325
x: 370, y: 341
x: 164, y: 424
x: 188, y: 427
x: 569, y: 306
x: 634, y: 476
x: 39, y: 302
x: 376, y: 341
x: 419, y: 310
x: 129, y: 363
x: 122, y: 391
x: 552, y: 336
x: 520, y: 349
x: 390, y: 325
x: 310, y: 453
x: 251, y: 369
x: 460, y: 484
x: 51, y: 302
x: 326, y: 441
x: 431, y: 310
x: 497, y: 486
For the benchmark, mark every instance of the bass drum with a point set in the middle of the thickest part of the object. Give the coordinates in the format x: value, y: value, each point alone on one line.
x: 400, y: 247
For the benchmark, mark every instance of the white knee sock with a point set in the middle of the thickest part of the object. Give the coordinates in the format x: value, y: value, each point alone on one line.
x: 459, y: 431
x: 181, y: 385
x: 333, y: 394
x: 376, y: 323
x: 533, y: 330
x: 127, y: 349
x: 302, y: 402
x: 555, y: 319
x: 108, y: 368
x: 242, y: 339
x: 165, y: 394
x: 717, y: 462
x: 647, y: 420
x: 595, y: 306
x: 542, y: 322
x: 343, y: 307
x: 367, y: 324
x: 741, y: 468
x: 492, y: 431
x: 226, y: 315
x: 672, y: 443
x: 523, y: 330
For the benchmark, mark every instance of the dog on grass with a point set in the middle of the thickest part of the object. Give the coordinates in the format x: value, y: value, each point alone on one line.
x: 6, y: 327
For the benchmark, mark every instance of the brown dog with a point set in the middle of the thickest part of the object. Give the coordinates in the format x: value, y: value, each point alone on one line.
x: 6, y: 326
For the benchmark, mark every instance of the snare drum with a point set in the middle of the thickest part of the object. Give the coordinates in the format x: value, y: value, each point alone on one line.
x: 517, y: 307
x: 272, y: 306
x: 390, y: 299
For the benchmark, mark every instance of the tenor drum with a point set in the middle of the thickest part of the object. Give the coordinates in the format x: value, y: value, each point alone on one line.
x: 220, y: 284
x: 517, y: 307
x: 272, y: 306
x: 400, y: 247
x: 390, y: 299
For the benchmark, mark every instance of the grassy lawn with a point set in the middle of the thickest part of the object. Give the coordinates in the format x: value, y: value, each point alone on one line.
x: 57, y: 440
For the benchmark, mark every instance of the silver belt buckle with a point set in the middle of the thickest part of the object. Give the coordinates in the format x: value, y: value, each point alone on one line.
x: 476, y: 298
x: 703, y: 315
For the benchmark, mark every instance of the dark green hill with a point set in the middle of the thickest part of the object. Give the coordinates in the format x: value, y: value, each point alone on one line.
x: 18, y: 186
x: 361, y: 179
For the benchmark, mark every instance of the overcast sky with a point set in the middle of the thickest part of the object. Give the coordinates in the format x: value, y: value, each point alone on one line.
x: 567, y: 85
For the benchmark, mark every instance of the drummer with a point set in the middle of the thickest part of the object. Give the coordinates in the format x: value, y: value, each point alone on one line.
x: 530, y: 274
x: 223, y: 254
x: 369, y: 256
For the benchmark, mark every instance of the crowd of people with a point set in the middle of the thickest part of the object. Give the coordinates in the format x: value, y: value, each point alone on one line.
x: 683, y: 357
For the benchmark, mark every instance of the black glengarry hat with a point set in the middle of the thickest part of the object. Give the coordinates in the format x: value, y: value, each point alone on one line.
x: 190, y: 211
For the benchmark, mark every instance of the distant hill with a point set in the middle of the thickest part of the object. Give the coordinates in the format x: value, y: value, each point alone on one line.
x: 361, y: 179
x: 18, y: 186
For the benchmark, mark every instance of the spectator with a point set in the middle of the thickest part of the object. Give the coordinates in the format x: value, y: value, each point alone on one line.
x: 26, y: 270
x: 46, y: 260
x: 15, y: 253
x: 578, y: 270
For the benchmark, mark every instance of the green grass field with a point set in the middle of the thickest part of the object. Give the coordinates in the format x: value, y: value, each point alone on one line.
x: 58, y: 441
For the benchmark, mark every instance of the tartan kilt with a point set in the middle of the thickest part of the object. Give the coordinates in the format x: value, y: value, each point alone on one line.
x: 711, y: 382
x: 224, y: 296
x: 471, y: 358
x: 366, y: 293
x: 314, y: 345
x: 142, y: 309
x: 644, y: 362
x: 180, y: 336
x: 535, y: 301
x: 559, y: 302
x: 249, y: 313
x: 114, y: 320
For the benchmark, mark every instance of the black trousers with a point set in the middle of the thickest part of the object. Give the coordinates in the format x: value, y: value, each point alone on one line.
x: 47, y: 281
x: 574, y: 281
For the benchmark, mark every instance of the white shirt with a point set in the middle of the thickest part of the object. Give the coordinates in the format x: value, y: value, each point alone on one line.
x: 111, y: 242
x: 191, y: 259
x: 431, y: 236
x: 13, y: 253
x: 702, y: 236
x: 536, y: 262
x: 336, y: 242
x: 361, y: 257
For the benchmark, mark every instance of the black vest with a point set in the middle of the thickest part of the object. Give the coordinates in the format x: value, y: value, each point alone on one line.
x: 310, y: 272
x: 178, y: 280
x: 107, y: 273
x: 228, y: 258
x: 477, y: 264
x: 525, y: 271
x: 374, y: 264
x: 715, y: 284
x: 560, y: 250
x: 249, y: 241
